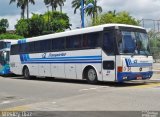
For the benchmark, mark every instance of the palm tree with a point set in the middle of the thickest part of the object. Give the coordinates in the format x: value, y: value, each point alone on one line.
x: 21, y: 5
x: 76, y: 4
x: 112, y: 12
x: 54, y: 3
x: 27, y: 5
x: 93, y: 12
x: 62, y: 4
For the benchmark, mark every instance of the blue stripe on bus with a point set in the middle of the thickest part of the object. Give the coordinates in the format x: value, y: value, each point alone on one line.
x: 80, y: 59
x: 88, y: 62
x: 74, y: 57
x: 41, y: 59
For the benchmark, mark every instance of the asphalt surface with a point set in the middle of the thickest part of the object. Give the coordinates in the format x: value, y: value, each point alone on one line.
x: 72, y: 97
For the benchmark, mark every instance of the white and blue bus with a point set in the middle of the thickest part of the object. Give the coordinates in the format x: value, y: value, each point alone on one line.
x: 4, y: 56
x: 110, y: 52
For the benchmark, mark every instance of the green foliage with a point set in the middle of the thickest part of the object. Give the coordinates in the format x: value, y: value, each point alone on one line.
x: 43, y: 24
x: 37, y: 25
x: 3, y: 25
x: 113, y: 17
x: 154, y: 38
x: 22, y: 27
x: 10, y: 36
x: 57, y: 22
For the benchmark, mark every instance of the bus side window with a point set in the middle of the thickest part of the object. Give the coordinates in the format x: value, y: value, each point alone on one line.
x: 108, y: 42
x: 58, y: 44
x: 85, y: 42
x: 73, y: 42
x: 15, y: 49
x: 31, y: 47
x: 37, y: 46
x: 90, y: 40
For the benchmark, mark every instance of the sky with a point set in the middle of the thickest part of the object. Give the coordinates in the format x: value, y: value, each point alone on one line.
x: 140, y: 9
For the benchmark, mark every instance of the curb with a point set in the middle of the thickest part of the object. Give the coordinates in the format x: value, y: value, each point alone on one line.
x: 156, y: 71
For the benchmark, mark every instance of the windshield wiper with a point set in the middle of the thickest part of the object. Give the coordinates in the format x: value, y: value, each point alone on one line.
x: 146, y: 53
x: 134, y: 53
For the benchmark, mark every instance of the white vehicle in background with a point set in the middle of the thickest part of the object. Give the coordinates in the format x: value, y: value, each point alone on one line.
x: 5, y: 46
x: 110, y: 52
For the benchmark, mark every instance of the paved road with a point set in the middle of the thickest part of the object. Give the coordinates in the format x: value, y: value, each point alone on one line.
x: 71, y: 95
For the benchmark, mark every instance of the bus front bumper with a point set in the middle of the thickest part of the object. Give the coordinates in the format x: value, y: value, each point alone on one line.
x: 127, y: 76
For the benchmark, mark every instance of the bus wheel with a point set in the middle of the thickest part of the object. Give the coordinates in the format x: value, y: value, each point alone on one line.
x: 91, y: 76
x: 26, y: 73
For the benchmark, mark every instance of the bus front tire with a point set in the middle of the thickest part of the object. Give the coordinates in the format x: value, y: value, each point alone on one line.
x: 91, y: 76
x: 26, y: 73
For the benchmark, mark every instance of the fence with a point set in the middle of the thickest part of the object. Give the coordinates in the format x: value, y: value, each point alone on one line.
x: 156, y: 53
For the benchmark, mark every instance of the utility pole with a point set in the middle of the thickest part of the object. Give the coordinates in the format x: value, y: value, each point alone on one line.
x: 82, y: 13
x: 83, y: 8
x: 48, y: 17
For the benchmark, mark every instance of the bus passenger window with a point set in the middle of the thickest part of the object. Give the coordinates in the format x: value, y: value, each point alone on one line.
x: 58, y: 44
x: 90, y: 40
x: 73, y: 42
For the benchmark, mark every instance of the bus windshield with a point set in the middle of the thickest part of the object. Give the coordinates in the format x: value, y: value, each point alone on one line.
x: 4, y: 45
x: 4, y: 57
x: 135, y: 43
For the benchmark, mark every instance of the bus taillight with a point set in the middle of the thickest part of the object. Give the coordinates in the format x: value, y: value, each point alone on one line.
x: 119, y: 69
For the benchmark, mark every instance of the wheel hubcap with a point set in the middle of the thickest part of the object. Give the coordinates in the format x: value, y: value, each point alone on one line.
x: 91, y: 74
x: 26, y: 73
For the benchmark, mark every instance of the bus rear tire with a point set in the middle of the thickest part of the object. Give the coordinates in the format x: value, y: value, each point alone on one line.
x: 26, y: 73
x: 91, y: 76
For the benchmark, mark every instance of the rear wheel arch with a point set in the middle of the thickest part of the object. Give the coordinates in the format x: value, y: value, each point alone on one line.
x: 85, y: 74
x: 24, y: 67
x: 26, y: 72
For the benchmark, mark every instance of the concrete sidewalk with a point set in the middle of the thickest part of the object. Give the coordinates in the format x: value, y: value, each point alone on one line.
x: 156, y: 71
x: 156, y: 76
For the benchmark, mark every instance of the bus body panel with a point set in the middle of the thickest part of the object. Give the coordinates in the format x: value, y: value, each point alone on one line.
x: 135, y: 68
x: 108, y: 67
x: 65, y: 64
x: 58, y: 70
x: 71, y: 63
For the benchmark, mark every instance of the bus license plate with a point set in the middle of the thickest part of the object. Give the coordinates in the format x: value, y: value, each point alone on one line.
x: 139, y: 77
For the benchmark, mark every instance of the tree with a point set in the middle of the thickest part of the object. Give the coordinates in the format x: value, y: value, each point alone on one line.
x: 4, y: 24
x: 27, y: 5
x: 55, y: 3
x: 58, y: 21
x: 23, y: 4
x: 154, y: 38
x: 22, y: 27
x: 39, y: 24
x: 113, y: 17
x: 93, y: 12
x: 76, y: 4
x: 62, y: 4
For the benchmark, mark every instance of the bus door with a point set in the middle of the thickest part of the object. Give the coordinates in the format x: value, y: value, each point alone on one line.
x: 108, y: 56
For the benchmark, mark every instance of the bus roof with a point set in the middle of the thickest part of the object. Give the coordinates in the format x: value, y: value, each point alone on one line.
x: 8, y: 40
x: 79, y: 31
